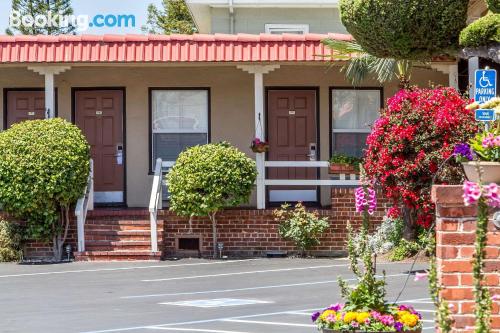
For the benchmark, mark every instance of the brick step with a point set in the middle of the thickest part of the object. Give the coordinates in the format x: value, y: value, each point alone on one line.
x: 124, y: 245
x: 120, y: 222
x: 120, y: 235
x: 116, y: 255
x: 111, y: 227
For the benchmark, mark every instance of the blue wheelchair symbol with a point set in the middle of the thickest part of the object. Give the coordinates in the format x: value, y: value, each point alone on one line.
x: 485, y: 85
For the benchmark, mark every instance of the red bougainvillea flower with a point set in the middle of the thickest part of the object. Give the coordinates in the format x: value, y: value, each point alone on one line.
x: 415, y: 134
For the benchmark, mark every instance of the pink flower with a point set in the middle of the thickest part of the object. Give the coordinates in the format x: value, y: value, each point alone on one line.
x: 421, y: 276
x: 362, y: 203
x: 492, y: 193
x: 472, y: 193
x: 495, y: 298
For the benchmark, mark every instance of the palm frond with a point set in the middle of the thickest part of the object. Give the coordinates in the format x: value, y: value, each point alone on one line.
x: 383, y: 68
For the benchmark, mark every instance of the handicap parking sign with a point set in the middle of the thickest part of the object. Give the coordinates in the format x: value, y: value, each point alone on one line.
x: 485, y: 85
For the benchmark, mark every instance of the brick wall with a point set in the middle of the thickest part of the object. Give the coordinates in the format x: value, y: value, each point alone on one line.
x: 249, y: 232
x: 455, y: 232
x: 244, y: 232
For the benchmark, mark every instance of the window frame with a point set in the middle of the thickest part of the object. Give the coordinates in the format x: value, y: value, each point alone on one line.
x: 330, y: 111
x: 150, y: 118
x: 286, y: 27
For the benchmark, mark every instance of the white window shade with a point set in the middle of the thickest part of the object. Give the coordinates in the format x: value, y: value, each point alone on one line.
x: 180, y: 111
x: 353, y: 113
x: 298, y: 29
x: 355, y: 109
x: 179, y: 121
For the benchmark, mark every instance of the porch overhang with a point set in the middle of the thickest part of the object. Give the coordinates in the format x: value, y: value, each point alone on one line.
x: 173, y: 48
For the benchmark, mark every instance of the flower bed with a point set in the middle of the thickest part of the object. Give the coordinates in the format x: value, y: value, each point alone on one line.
x: 337, y: 317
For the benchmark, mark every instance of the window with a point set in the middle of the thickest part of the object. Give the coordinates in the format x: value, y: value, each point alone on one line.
x: 353, y: 112
x: 179, y: 120
x: 299, y: 29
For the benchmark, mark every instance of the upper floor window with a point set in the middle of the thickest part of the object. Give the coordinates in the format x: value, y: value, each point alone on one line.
x: 299, y: 29
x: 353, y: 113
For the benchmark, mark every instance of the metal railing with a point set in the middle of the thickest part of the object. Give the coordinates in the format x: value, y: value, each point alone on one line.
x: 83, y: 205
x: 155, y: 203
x: 344, y: 179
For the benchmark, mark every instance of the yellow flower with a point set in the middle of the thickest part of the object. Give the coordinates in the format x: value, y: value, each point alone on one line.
x: 400, y: 314
x: 327, y: 313
x: 409, y: 319
x: 362, y: 316
x: 350, y: 316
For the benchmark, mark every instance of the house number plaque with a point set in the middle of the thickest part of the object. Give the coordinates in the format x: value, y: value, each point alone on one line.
x: 291, y: 112
x: 31, y: 113
x: 98, y: 113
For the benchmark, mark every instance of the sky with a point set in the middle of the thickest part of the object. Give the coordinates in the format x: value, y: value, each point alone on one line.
x: 95, y: 7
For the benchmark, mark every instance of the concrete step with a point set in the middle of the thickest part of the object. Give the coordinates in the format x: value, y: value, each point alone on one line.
x: 120, y: 235
x: 116, y: 255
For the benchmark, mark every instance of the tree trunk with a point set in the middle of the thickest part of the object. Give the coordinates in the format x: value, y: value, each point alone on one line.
x: 410, y: 229
x: 59, y: 239
x: 214, y: 234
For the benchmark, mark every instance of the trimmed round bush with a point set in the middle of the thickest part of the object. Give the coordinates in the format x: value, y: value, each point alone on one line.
x: 207, y: 178
x: 410, y: 29
x: 482, y: 32
x: 44, y: 166
x: 11, y: 238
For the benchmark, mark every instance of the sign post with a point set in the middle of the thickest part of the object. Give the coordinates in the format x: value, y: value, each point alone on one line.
x: 485, y: 85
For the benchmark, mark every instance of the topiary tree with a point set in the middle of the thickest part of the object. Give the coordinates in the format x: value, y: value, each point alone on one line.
x: 482, y: 32
x: 493, y: 5
x: 414, y: 135
x: 208, y: 178
x: 44, y: 166
x: 410, y: 29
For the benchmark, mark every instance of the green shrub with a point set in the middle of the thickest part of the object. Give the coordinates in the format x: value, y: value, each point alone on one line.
x: 300, y: 226
x: 404, y: 250
x: 346, y: 159
x: 44, y: 165
x: 11, y: 238
x: 494, y: 5
x: 482, y: 32
x: 410, y: 29
x: 208, y: 178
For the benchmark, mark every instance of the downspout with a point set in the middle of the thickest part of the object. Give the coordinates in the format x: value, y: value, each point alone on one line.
x: 231, y: 16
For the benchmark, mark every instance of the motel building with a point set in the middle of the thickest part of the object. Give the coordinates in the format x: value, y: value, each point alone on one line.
x: 252, y: 71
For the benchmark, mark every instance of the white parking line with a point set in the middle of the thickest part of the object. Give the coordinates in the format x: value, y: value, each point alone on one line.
x: 274, y: 323
x: 190, y: 329
x: 199, y: 321
x: 424, y: 310
x: 243, y: 273
x: 127, y: 268
x: 246, y: 289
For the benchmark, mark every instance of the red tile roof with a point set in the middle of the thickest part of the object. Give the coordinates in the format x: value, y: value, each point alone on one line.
x: 164, y: 48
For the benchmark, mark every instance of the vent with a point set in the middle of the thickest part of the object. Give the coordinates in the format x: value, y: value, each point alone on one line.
x: 189, y: 244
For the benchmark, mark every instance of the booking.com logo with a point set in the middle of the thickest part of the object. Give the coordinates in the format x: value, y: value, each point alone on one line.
x: 81, y: 22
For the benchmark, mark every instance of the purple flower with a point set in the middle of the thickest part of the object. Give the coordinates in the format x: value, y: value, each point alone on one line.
x: 335, y: 307
x: 354, y: 324
x: 398, y: 326
x: 463, y: 150
x: 315, y: 316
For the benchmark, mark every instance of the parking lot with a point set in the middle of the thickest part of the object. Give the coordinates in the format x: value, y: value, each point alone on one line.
x: 189, y: 295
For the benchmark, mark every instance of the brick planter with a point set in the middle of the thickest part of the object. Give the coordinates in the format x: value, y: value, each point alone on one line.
x: 455, y: 232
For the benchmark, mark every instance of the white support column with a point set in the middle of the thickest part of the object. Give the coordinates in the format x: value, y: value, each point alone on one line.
x: 473, y: 67
x: 451, y: 70
x: 48, y: 72
x: 259, y: 71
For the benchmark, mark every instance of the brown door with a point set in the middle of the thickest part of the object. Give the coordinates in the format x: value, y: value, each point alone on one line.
x: 99, y: 114
x: 24, y: 105
x: 292, y: 137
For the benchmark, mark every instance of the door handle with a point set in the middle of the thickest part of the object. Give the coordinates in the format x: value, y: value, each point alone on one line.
x: 119, y: 154
x: 312, y: 152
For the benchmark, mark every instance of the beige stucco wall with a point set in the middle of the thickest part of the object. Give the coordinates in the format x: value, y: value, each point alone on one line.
x: 232, y: 105
x: 253, y: 20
